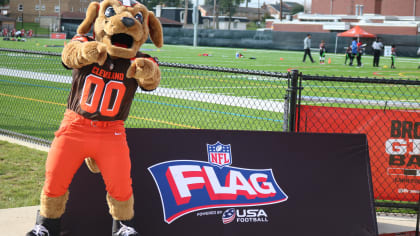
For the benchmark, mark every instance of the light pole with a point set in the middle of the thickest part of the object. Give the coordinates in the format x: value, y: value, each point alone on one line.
x: 259, y: 21
x: 331, y: 7
x: 59, y: 15
x: 195, y: 22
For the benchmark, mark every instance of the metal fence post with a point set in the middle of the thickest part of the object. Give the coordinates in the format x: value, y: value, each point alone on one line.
x: 286, y: 112
x: 418, y: 217
x: 286, y: 106
x: 293, y: 99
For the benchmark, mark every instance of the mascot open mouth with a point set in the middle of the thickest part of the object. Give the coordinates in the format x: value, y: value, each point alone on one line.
x: 122, y: 40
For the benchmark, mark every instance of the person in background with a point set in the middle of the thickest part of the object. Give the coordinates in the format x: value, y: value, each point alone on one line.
x: 307, y: 48
x: 322, y: 51
x: 353, y: 51
x: 5, y: 32
x: 359, y: 54
x: 30, y: 33
x: 18, y: 34
x: 418, y: 53
x: 393, y: 55
x: 348, y: 54
x: 377, y: 46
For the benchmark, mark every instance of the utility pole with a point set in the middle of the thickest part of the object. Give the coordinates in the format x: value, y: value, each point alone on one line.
x: 186, y: 13
x: 214, y: 14
x: 281, y: 10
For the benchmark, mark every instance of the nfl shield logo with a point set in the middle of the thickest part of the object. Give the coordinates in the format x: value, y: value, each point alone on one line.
x: 219, y: 154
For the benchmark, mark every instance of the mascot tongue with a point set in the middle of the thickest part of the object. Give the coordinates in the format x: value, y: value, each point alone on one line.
x: 120, y: 45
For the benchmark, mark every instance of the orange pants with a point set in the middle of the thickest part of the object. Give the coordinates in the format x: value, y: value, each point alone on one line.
x: 103, y: 141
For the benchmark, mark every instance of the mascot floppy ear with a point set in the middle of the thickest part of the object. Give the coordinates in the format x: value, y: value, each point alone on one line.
x: 91, y: 14
x: 155, y: 30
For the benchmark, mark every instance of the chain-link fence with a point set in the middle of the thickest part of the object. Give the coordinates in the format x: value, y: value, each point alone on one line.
x: 34, y: 89
x: 35, y: 86
x: 386, y: 110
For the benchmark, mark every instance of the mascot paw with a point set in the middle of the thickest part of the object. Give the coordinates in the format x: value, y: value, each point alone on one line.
x: 146, y: 72
x: 94, y: 52
x: 91, y: 164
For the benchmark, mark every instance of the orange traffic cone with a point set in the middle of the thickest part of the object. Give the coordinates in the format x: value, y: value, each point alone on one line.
x: 329, y: 60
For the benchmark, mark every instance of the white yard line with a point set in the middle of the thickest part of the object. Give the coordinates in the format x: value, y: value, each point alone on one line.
x: 258, y: 104
x: 252, y: 103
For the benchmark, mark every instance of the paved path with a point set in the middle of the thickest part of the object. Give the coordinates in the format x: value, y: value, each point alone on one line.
x: 18, y: 221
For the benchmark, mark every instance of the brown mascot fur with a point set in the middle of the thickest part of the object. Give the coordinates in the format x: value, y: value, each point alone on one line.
x: 120, y: 28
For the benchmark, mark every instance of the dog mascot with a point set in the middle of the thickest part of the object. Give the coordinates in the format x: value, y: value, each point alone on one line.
x: 107, y: 70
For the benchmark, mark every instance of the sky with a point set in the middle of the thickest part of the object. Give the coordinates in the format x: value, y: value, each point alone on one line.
x: 254, y: 3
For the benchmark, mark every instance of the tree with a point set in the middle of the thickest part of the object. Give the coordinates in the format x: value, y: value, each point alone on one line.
x: 186, y: 14
x: 4, y: 2
x: 168, y: 3
x: 215, y: 6
x: 297, y: 9
x: 229, y: 7
x: 247, y: 1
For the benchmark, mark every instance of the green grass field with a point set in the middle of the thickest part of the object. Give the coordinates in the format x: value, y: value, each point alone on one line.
x: 21, y: 175
x: 33, y: 96
x: 42, y: 102
x: 267, y: 60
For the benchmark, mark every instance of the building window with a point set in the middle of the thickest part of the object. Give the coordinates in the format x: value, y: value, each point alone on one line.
x: 19, y: 19
x: 206, y: 23
x: 42, y: 7
x: 20, y: 7
x: 37, y: 8
x: 57, y: 8
x: 235, y: 24
x: 181, y: 16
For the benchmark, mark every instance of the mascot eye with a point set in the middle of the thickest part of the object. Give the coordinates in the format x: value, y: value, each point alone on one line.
x: 109, y: 11
x: 139, y: 17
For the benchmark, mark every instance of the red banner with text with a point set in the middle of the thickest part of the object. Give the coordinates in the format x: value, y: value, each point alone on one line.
x: 393, y: 139
x: 58, y: 36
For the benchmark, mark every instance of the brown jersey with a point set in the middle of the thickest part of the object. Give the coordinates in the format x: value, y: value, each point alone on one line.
x: 103, y: 92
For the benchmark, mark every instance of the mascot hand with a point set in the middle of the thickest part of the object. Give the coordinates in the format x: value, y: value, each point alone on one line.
x: 146, y: 72
x: 94, y: 52
x: 91, y: 164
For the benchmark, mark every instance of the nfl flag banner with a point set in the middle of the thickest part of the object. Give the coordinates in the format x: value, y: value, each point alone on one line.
x: 219, y: 183
x: 188, y: 186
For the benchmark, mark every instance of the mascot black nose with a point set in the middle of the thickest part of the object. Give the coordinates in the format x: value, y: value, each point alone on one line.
x: 127, y: 21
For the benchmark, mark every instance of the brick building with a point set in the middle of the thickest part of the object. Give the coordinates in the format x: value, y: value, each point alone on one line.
x: 377, y: 7
x: 47, y: 13
x: 375, y: 16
